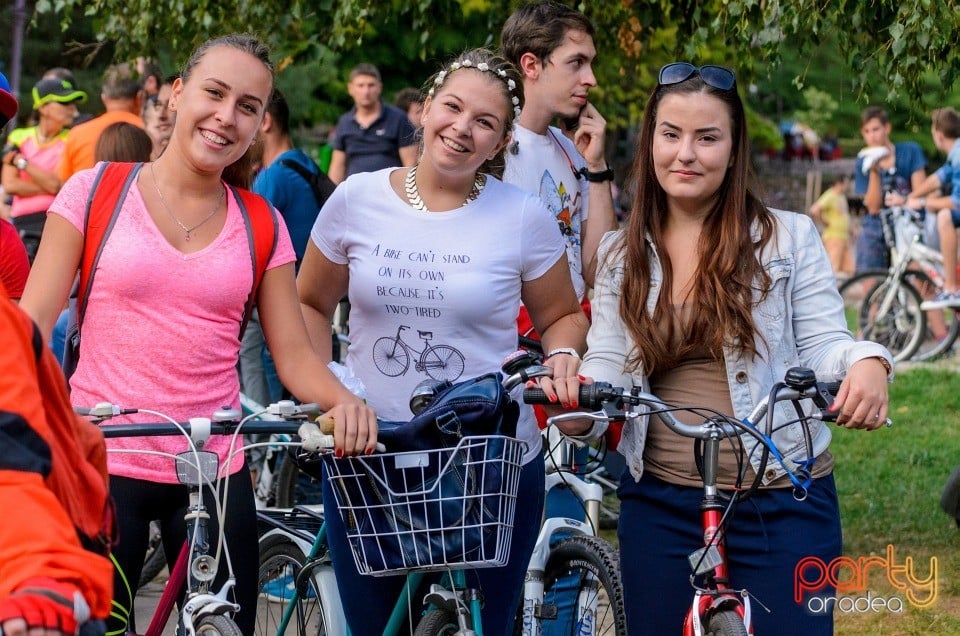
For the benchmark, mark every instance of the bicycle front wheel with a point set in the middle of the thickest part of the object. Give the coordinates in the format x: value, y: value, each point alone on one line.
x: 437, y: 622
x: 582, y: 581
x: 217, y: 625
x: 155, y: 560
x: 726, y: 623
x: 891, y: 315
x: 281, y: 573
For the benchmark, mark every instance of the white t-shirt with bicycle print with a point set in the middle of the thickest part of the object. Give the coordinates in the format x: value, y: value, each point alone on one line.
x: 434, y: 295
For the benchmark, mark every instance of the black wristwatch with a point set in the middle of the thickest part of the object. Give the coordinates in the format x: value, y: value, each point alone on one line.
x: 597, y: 177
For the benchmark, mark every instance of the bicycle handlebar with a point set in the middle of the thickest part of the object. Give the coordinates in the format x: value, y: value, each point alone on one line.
x: 612, y: 400
x: 291, y: 419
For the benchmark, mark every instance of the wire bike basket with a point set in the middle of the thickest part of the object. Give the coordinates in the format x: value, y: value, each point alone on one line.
x: 430, y: 510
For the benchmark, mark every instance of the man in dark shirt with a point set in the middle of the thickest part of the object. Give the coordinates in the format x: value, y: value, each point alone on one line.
x: 371, y: 135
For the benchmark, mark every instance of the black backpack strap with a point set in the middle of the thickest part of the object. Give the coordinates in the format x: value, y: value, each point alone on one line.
x: 319, y: 182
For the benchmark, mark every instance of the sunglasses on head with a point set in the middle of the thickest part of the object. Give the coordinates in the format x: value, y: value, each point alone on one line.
x: 716, y: 76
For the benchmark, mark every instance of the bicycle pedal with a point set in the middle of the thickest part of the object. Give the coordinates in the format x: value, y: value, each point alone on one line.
x: 705, y: 559
x: 546, y: 612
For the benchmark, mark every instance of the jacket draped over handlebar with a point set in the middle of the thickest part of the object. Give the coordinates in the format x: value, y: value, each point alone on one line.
x: 800, y: 322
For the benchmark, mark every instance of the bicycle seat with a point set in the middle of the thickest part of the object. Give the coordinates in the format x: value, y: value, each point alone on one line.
x: 426, y: 335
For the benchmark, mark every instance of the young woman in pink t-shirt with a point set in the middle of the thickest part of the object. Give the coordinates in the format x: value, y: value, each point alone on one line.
x: 161, y: 328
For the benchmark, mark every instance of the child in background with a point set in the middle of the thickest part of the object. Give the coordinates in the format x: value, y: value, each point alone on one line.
x: 833, y: 215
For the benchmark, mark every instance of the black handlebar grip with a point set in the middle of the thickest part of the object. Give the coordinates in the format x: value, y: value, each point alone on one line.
x: 591, y: 396
x: 535, y: 396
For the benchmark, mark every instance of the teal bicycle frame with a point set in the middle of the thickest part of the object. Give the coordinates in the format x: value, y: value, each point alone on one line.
x: 451, y: 581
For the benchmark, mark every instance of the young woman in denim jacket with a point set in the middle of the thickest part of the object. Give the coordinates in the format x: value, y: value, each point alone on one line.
x: 747, y: 293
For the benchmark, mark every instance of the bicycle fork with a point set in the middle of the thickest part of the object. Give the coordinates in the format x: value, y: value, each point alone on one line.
x: 465, y: 604
x: 711, y: 559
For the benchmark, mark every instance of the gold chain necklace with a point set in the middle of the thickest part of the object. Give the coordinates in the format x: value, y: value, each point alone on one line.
x: 413, y: 193
x: 186, y: 230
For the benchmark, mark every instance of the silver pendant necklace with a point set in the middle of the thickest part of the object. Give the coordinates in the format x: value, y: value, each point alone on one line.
x: 413, y: 193
x: 186, y: 230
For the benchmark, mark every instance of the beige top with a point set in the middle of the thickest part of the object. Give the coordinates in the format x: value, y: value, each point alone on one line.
x: 699, y: 379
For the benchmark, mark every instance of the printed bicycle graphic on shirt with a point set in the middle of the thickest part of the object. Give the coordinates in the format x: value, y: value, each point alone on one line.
x: 392, y: 356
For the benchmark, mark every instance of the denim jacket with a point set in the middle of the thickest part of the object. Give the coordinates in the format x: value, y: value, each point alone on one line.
x: 800, y: 322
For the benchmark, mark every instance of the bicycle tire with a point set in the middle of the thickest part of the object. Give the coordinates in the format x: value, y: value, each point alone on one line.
x: 854, y: 289
x: 288, y: 491
x: 217, y: 625
x: 284, y: 559
x: 584, y: 561
x: 156, y: 559
x: 437, y: 622
x: 726, y: 623
x: 903, y: 327
x: 932, y: 346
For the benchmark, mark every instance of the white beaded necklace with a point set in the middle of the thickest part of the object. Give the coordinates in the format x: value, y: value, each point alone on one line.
x: 413, y: 193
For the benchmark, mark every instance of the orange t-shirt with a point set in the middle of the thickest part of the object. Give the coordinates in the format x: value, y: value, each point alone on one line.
x: 82, y: 140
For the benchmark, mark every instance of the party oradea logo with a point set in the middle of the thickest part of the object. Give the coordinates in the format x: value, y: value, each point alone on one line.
x: 844, y: 584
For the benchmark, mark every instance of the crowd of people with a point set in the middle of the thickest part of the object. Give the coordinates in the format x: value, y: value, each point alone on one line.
x: 477, y: 208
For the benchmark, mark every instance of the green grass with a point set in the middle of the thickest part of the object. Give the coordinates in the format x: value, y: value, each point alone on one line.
x: 889, y: 483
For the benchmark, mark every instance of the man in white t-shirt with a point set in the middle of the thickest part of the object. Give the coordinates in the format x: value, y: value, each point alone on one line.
x: 552, y: 46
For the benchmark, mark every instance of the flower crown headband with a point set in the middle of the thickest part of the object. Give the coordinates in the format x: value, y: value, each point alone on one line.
x: 484, y: 68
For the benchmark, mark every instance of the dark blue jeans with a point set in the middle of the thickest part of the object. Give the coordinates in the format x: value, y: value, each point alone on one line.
x: 368, y: 600
x: 766, y: 536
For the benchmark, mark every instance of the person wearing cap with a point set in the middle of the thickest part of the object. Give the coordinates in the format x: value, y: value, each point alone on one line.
x: 8, y: 103
x: 122, y: 99
x: 14, y: 265
x: 29, y: 170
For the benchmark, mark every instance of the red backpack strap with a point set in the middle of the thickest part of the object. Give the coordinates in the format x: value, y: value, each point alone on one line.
x: 262, y: 228
x: 107, y: 193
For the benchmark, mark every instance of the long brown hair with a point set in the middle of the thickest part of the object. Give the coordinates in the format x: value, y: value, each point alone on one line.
x: 728, y: 267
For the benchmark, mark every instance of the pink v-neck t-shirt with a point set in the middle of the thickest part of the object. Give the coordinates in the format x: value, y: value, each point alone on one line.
x: 161, y: 330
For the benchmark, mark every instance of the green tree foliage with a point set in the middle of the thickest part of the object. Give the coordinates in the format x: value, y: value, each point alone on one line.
x: 884, y: 43
x: 890, y: 51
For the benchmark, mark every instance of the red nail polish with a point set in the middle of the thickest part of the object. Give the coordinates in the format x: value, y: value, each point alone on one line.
x: 581, y: 378
x: 369, y: 451
x: 338, y: 453
x: 565, y: 405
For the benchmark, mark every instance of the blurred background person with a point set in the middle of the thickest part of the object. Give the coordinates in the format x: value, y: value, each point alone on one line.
x: 410, y: 101
x: 121, y: 97
x: 29, y: 170
x: 157, y: 116
x: 832, y: 214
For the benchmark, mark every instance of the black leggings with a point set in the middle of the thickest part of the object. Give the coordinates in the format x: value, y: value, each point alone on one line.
x: 139, y: 502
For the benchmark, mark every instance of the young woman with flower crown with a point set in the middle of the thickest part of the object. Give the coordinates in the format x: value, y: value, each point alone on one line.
x: 445, y: 250
x: 161, y: 328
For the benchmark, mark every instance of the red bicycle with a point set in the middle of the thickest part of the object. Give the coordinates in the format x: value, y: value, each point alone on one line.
x: 717, y: 608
